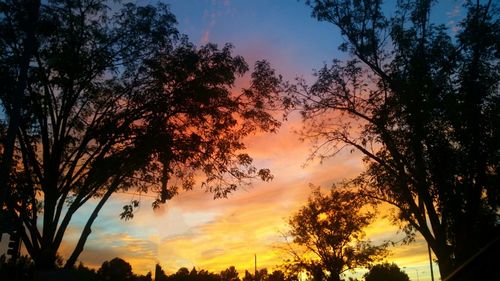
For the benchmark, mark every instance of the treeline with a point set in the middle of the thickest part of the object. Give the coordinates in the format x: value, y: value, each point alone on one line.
x: 229, y: 274
x: 117, y: 269
x: 378, y: 272
x: 23, y: 269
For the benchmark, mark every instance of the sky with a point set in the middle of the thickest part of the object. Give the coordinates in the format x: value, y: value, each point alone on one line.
x: 195, y: 230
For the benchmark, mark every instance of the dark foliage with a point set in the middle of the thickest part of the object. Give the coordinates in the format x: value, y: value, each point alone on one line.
x: 229, y: 274
x: 116, y: 270
x: 329, y: 231
x: 421, y: 102
x: 386, y: 272
x: 117, y: 99
x: 22, y: 269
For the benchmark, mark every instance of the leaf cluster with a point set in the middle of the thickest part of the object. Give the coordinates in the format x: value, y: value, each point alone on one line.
x: 331, y: 230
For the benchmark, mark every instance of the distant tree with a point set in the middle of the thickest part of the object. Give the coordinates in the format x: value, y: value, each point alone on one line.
x: 160, y: 274
x: 208, y: 276
x: 420, y: 100
x: 261, y: 275
x: 386, y: 272
x: 116, y: 270
x: 329, y: 230
x: 277, y: 275
x: 20, y: 269
x: 229, y: 274
x: 84, y: 273
x: 117, y: 99
x: 193, y: 274
x: 146, y: 277
x: 248, y: 276
x: 183, y: 273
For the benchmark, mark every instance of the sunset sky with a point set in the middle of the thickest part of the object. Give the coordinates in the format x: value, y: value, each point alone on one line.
x: 195, y: 230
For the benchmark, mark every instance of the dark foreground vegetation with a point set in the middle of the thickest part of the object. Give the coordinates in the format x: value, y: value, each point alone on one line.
x: 118, y: 269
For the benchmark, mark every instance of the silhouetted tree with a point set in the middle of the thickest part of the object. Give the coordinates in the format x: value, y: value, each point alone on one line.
x: 146, y: 277
x: 209, y: 276
x: 118, y: 99
x: 182, y: 273
x: 248, y: 276
x: 229, y: 274
x: 81, y: 272
x: 20, y: 269
x: 330, y: 231
x: 277, y: 275
x: 160, y: 274
x: 421, y: 103
x: 386, y: 272
x: 116, y: 270
x: 193, y: 274
x: 261, y: 275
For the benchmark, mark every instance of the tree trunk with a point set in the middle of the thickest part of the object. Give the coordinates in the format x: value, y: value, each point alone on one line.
x: 46, y: 259
x: 445, y: 262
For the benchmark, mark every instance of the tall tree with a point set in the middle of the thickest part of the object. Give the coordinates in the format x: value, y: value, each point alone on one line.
x: 421, y: 102
x: 329, y: 229
x: 118, y: 99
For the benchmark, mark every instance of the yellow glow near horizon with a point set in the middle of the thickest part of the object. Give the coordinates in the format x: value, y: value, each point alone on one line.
x: 193, y: 230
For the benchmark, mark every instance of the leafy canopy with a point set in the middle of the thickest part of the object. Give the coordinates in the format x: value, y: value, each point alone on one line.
x: 329, y: 231
x: 117, y: 98
x: 421, y: 102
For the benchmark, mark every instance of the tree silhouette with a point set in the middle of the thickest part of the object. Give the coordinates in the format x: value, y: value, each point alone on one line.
x: 420, y: 102
x: 277, y: 275
x: 261, y: 275
x: 206, y: 275
x: 229, y: 274
x: 330, y: 231
x: 184, y: 274
x: 20, y: 269
x: 248, y: 276
x: 116, y: 270
x: 160, y: 273
x: 84, y: 273
x: 386, y: 272
x: 118, y: 99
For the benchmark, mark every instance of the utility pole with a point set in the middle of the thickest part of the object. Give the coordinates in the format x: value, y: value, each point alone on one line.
x: 255, y: 255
